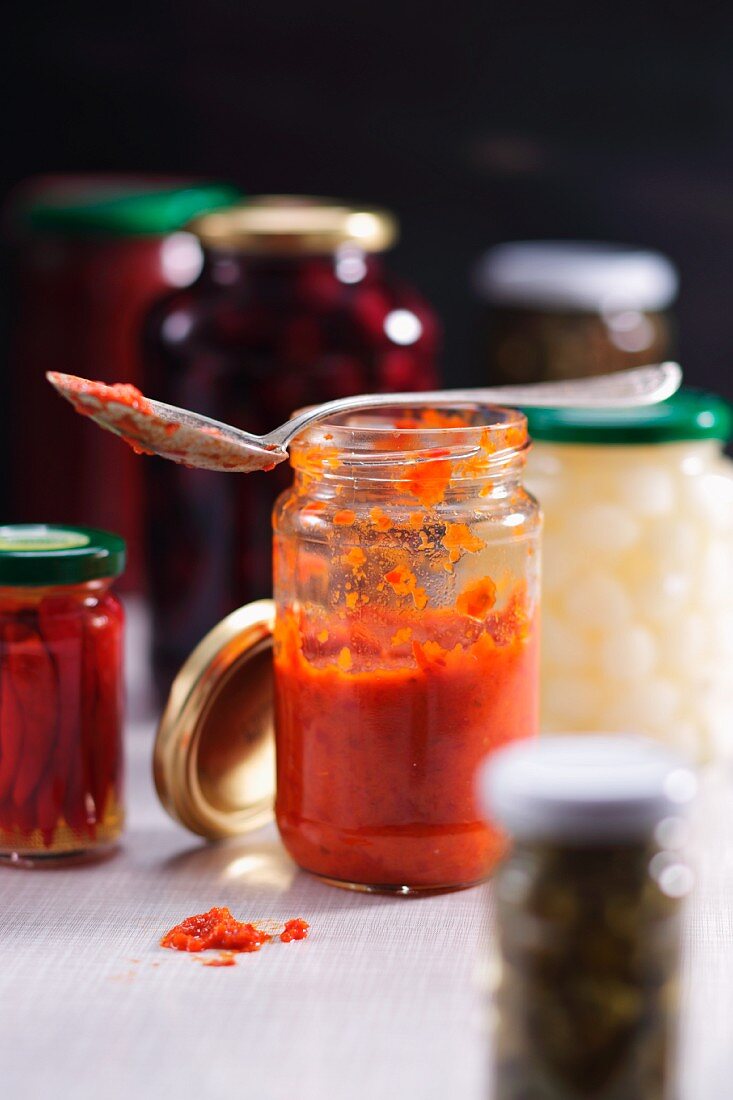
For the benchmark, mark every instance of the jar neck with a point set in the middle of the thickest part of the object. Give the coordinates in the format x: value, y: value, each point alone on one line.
x: 423, y: 482
x: 229, y: 267
x: 31, y: 595
x: 423, y: 453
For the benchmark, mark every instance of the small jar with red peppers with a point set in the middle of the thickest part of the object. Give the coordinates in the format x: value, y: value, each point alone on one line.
x: 294, y: 305
x: 61, y: 633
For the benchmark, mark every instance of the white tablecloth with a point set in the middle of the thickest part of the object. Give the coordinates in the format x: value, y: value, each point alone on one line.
x: 384, y: 998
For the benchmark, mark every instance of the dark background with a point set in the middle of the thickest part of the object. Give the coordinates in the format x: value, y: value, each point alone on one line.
x: 475, y: 122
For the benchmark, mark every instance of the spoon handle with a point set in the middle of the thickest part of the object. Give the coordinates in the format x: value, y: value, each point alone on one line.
x: 623, y: 389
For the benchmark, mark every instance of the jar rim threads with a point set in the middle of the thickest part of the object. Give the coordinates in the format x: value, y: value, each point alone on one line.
x: 477, y: 440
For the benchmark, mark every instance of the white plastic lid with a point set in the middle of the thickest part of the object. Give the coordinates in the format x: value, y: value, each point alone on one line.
x: 580, y: 275
x: 584, y: 787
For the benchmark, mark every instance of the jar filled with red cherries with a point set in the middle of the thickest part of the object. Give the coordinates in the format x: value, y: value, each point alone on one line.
x: 294, y: 305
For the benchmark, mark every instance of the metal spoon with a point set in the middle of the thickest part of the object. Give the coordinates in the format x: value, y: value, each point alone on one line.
x: 182, y: 436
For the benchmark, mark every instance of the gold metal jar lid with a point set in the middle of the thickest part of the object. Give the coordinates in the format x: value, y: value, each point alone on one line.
x: 214, y: 756
x: 295, y: 224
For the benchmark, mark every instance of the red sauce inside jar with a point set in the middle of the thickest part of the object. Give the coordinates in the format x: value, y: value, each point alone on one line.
x: 376, y: 768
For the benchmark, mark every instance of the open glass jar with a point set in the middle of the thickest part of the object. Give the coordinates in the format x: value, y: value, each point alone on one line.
x: 406, y: 585
x: 60, y: 693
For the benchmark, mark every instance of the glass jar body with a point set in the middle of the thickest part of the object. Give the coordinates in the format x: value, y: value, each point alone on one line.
x: 61, y: 700
x: 94, y: 252
x: 405, y: 651
x: 80, y: 306
x: 588, y: 945
x: 638, y: 590
x: 535, y: 345
x: 253, y: 339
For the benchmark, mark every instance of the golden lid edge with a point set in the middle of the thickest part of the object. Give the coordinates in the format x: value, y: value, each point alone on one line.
x: 291, y: 225
x: 245, y: 633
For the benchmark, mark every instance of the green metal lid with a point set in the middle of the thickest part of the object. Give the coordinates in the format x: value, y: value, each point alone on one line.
x: 46, y: 554
x: 121, y: 207
x: 689, y: 414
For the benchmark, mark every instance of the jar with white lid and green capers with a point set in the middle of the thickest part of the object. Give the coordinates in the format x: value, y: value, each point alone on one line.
x: 588, y: 911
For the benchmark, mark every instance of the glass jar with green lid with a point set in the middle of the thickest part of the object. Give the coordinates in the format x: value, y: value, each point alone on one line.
x: 91, y: 255
x: 638, y: 570
x: 61, y: 636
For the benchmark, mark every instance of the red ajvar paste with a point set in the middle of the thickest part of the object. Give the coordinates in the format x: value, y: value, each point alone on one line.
x: 218, y: 929
x: 119, y: 393
x: 379, y: 739
x: 294, y: 930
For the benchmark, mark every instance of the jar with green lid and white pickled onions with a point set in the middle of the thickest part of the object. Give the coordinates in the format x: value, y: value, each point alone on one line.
x: 638, y: 570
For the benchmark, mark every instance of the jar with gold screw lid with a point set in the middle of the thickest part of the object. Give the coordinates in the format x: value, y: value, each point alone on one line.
x: 295, y: 304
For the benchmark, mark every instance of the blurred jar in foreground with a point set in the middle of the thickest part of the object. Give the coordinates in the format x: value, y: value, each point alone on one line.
x: 566, y: 309
x: 406, y: 641
x: 588, y: 917
x: 91, y: 255
x: 294, y: 305
x: 637, y: 606
x: 60, y: 692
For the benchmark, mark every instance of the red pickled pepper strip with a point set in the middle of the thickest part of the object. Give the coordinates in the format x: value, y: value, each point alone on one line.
x: 103, y: 658
x: 34, y: 680
x: 11, y: 725
x: 62, y: 627
x: 1, y: 712
x: 12, y: 733
x: 60, y: 792
x: 43, y: 810
x: 91, y: 814
x: 110, y: 700
x: 13, y: 817
x: 75, y: 807
x: 23, y: 818
x: 49, y: 801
